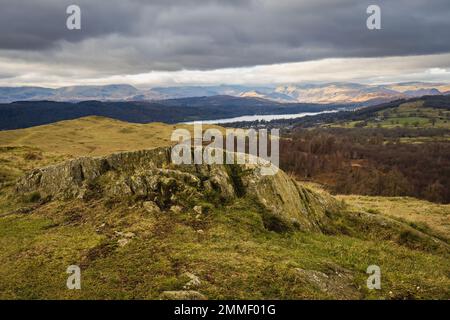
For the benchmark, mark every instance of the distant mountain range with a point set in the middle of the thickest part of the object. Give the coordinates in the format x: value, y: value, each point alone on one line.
x: 305, y: 93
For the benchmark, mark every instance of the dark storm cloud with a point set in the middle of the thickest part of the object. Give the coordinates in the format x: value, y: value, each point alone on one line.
x: 36, y: 25
x: 138, y: 36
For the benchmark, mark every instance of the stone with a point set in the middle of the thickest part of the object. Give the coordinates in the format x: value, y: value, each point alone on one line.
x: 198, y: 209
x: 176, y: 209
x: 123, y: 242
x: 194, y: 281
x: 151, y: 207
x: 318, y: 278
x: 182, y: 295
x: 338, y: 282
x: 100, y: 228
x: 125, y: 234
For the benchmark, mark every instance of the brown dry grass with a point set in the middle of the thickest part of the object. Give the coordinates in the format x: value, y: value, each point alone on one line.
x: 91, y: 136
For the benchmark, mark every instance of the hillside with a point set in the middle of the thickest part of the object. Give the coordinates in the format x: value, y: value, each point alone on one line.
x: 141, y: 228
x: 415, y: 114
x: 423, y: 112
x: 90, y: 136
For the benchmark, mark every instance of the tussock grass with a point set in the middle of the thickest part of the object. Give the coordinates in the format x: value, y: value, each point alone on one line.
x: 235, y: 255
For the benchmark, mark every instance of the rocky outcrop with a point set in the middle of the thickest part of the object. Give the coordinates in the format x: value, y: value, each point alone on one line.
x: 338, y: 283
x: 182, y: 295
x: 150, y: 176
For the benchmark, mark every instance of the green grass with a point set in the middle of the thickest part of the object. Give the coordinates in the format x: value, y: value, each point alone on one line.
x: 35, y: 255
x: 423, y: 214
x: 235, y: 256
x: 409, y: 115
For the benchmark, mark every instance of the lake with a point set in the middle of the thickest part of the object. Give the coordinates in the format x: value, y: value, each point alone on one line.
x: 266, y: 117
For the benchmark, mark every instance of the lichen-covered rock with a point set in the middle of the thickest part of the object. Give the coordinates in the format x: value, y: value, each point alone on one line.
x: 150, y: 206
x: 150, y: 176
x: 338, y: 284
x: 182, y: 295
x: 194, y: 281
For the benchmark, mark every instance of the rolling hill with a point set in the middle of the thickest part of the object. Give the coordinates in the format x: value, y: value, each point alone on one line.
x: 423, y: 112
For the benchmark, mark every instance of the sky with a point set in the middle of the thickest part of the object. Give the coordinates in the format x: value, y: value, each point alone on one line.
x: 208, y: 42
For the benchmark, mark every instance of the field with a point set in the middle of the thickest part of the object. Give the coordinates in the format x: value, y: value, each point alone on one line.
x: 406, y: 115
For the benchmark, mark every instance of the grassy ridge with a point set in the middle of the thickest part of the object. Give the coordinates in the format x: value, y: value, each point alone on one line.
x: 90, y: 136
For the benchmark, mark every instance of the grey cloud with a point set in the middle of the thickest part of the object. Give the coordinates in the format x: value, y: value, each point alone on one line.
x: 38, y: 25
x: 6, y: 75
x: 139, y: 36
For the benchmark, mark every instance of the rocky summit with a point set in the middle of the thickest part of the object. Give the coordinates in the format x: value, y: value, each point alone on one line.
x: 150, y: 177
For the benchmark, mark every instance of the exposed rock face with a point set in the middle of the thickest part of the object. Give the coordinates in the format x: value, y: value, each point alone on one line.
x: 338, y: 283
x: 149, y: 175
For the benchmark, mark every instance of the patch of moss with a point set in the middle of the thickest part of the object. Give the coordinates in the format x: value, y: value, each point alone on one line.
x: 275, y: 223
x: 32, y: 197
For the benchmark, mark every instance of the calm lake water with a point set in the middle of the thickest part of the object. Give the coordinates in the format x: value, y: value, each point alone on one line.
x: 267, y: 117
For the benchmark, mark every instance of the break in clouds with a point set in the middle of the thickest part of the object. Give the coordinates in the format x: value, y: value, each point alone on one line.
x: 137, y: 36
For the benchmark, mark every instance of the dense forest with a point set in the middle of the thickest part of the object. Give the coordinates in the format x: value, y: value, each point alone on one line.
x: 372, y: 161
